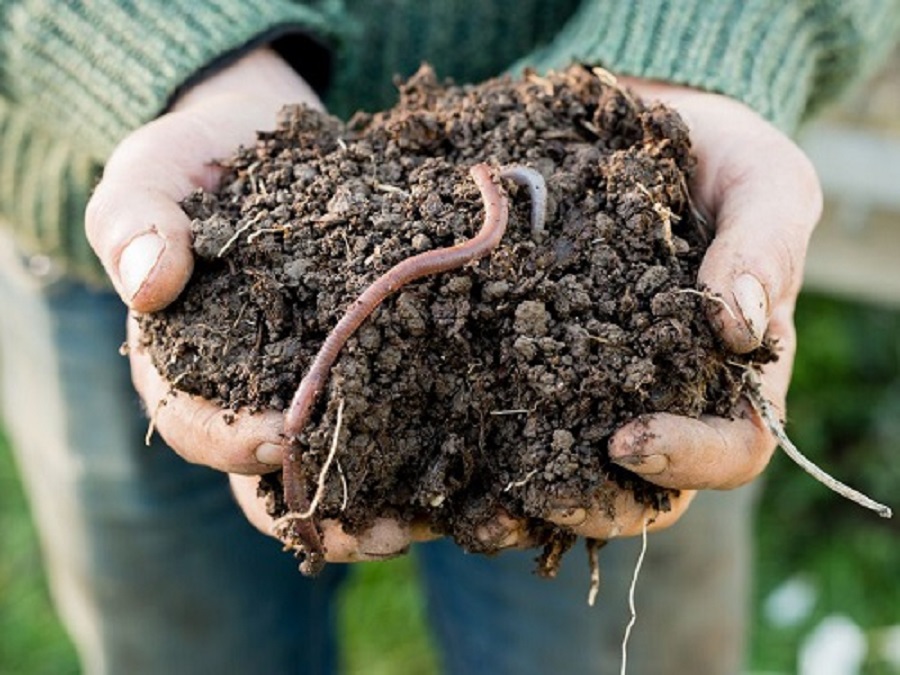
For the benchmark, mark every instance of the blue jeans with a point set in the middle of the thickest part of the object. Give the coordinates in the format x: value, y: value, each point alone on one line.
x: 154, y: 570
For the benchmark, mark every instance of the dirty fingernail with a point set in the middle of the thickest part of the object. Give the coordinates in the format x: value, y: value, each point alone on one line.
x: 378, y: 554
x: 496, y: 536
x: 569, y: 517
x: 646, y: 465
x: 137, y: 261
x: 752, y: 303
x: 269, y: 453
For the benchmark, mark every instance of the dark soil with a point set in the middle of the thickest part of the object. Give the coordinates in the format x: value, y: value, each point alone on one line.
x: 496, y: 386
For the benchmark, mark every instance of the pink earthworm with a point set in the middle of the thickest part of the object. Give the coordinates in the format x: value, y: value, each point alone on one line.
x: 496, y: 215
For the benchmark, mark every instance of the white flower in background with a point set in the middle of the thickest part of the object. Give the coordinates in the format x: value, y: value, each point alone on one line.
x: 791, y: 602
x: 837, y: 646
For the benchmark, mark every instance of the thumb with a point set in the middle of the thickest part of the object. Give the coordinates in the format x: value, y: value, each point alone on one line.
x: 766, y: 200
x: 133, y: 219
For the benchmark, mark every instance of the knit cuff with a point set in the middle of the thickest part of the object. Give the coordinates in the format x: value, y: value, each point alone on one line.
x: 763, y: 53
x: 100, y: 69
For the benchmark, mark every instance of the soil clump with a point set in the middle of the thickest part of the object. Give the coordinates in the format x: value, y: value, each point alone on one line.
x: 494, y: 387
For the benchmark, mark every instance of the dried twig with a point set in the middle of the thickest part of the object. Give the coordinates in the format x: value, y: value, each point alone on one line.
x: 754, y: 393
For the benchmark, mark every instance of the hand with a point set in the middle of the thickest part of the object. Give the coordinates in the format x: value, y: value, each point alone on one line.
x: 387, y: 538
x: 763, y: 196
x: 137, y: 228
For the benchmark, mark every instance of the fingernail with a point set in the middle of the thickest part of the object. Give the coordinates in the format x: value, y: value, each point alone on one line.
x: 646, y: 465
x: 138, y: 260
x: 381, y: 555
x: 570, y: 517
x: 269, y: 453
x: 496, y: 536
x: 752, y: 303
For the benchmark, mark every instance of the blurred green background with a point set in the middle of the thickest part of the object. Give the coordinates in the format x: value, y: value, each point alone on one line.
x: 821, y: 561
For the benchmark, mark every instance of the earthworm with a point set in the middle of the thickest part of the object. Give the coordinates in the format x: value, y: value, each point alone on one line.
x: 496, y: 215
x: 537, y: 191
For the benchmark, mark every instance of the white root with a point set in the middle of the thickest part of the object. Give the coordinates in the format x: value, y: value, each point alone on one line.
x: 631, y: 589
x: 320, y: 488
x: 151, y: 425
x: 777, y: 428
x: 243, y: 228
x: 593, y: 547
x: 521, y: 482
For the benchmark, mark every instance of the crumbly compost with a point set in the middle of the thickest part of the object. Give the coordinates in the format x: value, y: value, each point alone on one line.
x: 491, y: 388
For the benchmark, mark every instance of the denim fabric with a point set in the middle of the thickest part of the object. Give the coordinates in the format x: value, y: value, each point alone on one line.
x: 493, y: 615
x: 154, y: 570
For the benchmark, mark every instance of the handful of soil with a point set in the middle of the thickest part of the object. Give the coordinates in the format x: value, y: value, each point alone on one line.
x: 495, y: 386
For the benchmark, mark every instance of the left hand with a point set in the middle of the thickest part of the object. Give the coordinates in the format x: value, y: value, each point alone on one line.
x: 763, y: 196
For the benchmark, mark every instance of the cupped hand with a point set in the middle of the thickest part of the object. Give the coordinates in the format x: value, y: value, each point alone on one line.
x: 387, y: 538
x: 762, y: 194
x: 753, y: 183
x: 143, y: 238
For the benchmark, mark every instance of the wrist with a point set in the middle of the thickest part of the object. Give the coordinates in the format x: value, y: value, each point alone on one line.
x: 260, y: 75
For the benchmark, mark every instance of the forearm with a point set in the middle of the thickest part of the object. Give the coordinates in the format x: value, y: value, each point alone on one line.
x: 95, y: 71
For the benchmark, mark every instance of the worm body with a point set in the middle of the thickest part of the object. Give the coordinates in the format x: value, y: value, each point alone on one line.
x: 537, y: 191
x: 496, y: 213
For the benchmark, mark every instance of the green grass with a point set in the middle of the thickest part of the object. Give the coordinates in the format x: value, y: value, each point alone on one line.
x: 845, y: 414
x: 383, y: 621
x: 31, y: 639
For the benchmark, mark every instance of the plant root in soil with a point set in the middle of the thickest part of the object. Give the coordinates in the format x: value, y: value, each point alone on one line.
x: 765, y: 410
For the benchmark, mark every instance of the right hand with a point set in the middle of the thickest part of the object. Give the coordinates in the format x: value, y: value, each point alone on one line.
x: 143, y: 238
x: 136, y: 226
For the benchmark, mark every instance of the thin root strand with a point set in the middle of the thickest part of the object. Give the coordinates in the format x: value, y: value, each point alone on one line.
x: 631, y: 589
x: 323, y: 473
x: 777, y: 428
x: 593, y: 551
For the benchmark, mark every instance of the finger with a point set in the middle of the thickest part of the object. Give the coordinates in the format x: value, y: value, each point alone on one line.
x: 763, y: 195
x: 502, y: 532
x: 706, y: 453
x: 246, y: 493
x: 386, y: 538
x: 710, y: 452
x: 133, y: 220
x: 616, y: 513
x: 202, y: 432
x: 765, y: 199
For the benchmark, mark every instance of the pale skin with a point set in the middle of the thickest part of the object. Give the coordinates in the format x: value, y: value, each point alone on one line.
x: 754, y: 184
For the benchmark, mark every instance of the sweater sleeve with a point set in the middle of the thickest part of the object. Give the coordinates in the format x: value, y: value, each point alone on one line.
x: 783, y: 59
x: 94, y: 70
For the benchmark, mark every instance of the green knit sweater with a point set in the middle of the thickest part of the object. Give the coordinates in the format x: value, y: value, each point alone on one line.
x: 77, y: 75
